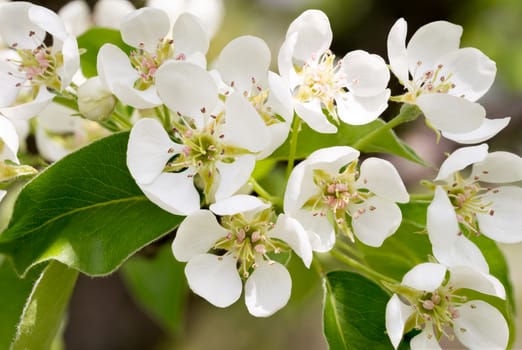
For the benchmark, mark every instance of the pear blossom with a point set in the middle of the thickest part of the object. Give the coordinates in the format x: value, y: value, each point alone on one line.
x: 443, y: 80
x: 326, y: 193
x: 207, y: 146
x: 132, y: 79
x: 34, y: 73
x: 483, y: 202
x: 59, y: 132
x: 352, y: 89
x: 428, y: 299
x: 243, y: 67
x: 240, y: 247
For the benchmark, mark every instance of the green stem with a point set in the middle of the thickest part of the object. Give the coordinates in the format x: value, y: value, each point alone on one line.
x: 296, y: 128
x: 369, y: 272
x: 407, y: 113
x: 264, y: 193
x: 421, y: 197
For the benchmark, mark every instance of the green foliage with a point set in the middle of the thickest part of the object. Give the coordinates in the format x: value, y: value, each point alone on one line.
x: 91, y: 41
x: 348, y: 135
x: 85, y: 211
x: 43, y: 311
x: 158, y: 284
x: 13, y: 295
x: 354, y: 312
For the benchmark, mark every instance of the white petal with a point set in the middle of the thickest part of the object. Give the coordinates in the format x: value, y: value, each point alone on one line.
x: 284, y: 58
x: 214, y: 278
x: 441, y: 221
x: 380, y: 220
x: 173, y: 192
x: 355, y: 110
x: 460, y: 159
x: 381, y: 177
x: 280, y: 98
x: 319, y: 229
x: 2, y: 194
x: 488, y: 129
x: 299, y: 188
x: 29, y: 109
x: 232, y: 176
x: 211, y: 13
x: 76, y: 16
x: 140, y: 99
x: 148, y: 150
x: 468, y: 277
x: 315, y: 34
x: 498, y: 167
x: 189, y: 35
x: 15, y: 26
x: 240, y: 203
x: 291, y: 232
x: 109, y: 13
x: 425, y: 340
x: 145, y: 28
x: 396, y: 45
x: 9, y: 140
x: 71, y: 60
x: 268, y: 289
x: 461, y: 252
x: 48, y: 147
x: 312, y: 114
x: 47, y: 20
x: 367, y: 74
x: 397, y: 314
x: 450, y: 113
x: 8, y: 85
x: 503, y: 223
x: 481, y: 326
x: 186, y: 88
x: 196, y: 235
x: 243, y: 126
x: 471, y: 71
x: 242, y: 60
x: 332, y: 159
x: 425, y: 277
x: 429, y: 43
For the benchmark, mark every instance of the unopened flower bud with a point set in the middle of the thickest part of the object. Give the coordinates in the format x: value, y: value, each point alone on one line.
x: 95, y: 102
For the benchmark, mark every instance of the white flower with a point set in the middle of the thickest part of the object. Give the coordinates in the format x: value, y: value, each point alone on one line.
x: 132, y: 79
x: 95, y: 102
x: 443, y: 80
x: 34, y: 73
x: 243, y: 66
x: 206, y: 144
x: 326, y: 189
x: 352, y: 89
x: 429, y: 301
x: 59, y: 132
x: 240, y: 246
x: 475, y: 204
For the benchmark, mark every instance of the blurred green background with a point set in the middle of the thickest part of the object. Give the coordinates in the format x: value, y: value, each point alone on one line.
x: 103, y: 315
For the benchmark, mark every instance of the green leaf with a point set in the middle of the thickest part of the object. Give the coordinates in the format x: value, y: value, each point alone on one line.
x: 347, y: 135
x: 43, y: 312
x: 158, y: 284
x: 354, y: 312
x: 13, y: 295
x: 91, y: 41
x: 406, y: 248
x: 85, y: 211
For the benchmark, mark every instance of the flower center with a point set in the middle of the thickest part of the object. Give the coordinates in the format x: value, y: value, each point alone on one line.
x: 337, y: 197
x: 467, y: 199
x: 147, y: 63
x: 431, y: 81
x: 248, y: 239
x: 440, y: 308
x: 323, y: 79
x: 38, y: 67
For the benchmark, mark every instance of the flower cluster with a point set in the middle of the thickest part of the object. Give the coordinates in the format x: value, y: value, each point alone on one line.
x: 197, y: 131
